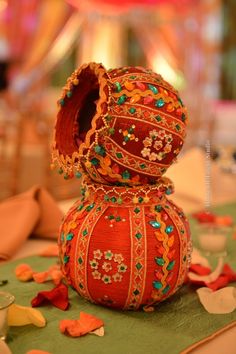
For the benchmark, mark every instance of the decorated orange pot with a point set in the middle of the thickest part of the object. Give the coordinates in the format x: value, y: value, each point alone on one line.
x: 125, y: 247
x: 123, y: 126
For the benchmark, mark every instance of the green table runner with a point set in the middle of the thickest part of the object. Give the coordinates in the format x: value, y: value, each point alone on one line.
x: 176, y: 324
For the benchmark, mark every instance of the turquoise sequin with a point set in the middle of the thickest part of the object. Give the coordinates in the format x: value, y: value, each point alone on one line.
x: 69, y: 236
x: 78, y: 174
x: 155, y: 224
x: 121, y: 99
x: 159, y: 261
x: 157, y: 284
x: 160, y: 103
x: 66, y: 259
x: 153, y: 89
x: 169, y: 229
x: 170, y: 265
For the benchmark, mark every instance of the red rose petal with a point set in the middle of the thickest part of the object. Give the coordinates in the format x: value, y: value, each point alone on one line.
x: 220, y: 282
x: 205, y: 217
x: 227, y: 270
x: 58, y: 297
x: 199, y: 269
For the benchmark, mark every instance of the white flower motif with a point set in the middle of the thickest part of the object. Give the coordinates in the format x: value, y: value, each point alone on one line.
x: 94, y: 264
x: 107, y: 266
x: 96, y: 274
x: 153, y: 134
x: 117, y: 277
x: 158, y: 144
x: 145, y: 152
x: 147, y: 142
x: 176, y: 151
x: 118, y: 258
x: 153, y: 156
x: 168, y: 138
x: 106, y: 279
x: 167, y: 148
x: 160, y: 156
x: 97, y: 254
x: 108, y: 255
x: 122, y: 268
x: 161, y: 134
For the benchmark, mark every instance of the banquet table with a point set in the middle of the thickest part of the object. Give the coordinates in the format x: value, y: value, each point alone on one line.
x: 175, y: 325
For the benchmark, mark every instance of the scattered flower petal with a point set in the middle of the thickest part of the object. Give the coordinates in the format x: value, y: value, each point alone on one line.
x: 98, y: 332
x: 210, y: 277
x: 22, y: 315
x: 205, y: 217
x: 40, y: 277
x: 58, y: 297
x: 24, y: 272
x: 218, y: 302
x: 85, y: 324
x: 37, y: 351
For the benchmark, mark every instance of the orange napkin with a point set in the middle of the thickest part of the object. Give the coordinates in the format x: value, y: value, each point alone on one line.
x: 33, y: 212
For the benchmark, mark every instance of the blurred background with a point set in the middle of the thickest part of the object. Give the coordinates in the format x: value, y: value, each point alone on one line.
x: 191, y: 43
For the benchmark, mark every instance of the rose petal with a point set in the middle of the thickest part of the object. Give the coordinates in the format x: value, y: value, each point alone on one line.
x: 199, y: 269
x: 219, y: 283
x: 56, y: 276
x: 225, y: 220
x: 24, y: 272
x: 210, y: 277
x: 58, y: 297
x: 218, y: 302
x: 37, y: 351
x: 85, y: 324
x: 40, y: 277
x: 22, y: 315
x: 205, y: 217
x: 98, y: 332
x: 227, y: 270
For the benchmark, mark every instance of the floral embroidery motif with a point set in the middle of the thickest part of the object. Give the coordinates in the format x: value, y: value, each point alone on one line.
x: 96, y: 274
x: 102, y: 270
x: 106, y: 279
x: 117, y: 277
x: 97, y: 254
x: 122, y: 268
x: 107, y: 266
x: 157, y: 140
x: 118, y: 258
x: 128, y: 134
x: 108, y: 255
x: 94, y: 264
x: 114, y: 218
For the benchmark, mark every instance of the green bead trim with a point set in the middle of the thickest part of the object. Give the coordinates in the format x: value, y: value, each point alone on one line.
x: 69, y: 236
x: 159, y: 261
x: 170, y: 265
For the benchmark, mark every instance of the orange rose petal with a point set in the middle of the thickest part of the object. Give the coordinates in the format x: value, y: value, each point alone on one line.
x: 37, y: 351
x: 76, y: 328
x: 24, y: 272
x: 224, y: 220
x: 40, y: 277
x: 56, y: 276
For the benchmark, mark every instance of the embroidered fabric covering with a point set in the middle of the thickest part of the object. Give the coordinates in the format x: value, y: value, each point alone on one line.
x: 176, y: 324
x: 125, y: 125
x: 125, y: 247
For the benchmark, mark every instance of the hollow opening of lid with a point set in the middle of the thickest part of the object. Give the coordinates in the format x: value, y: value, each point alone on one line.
x: 75, y: 117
